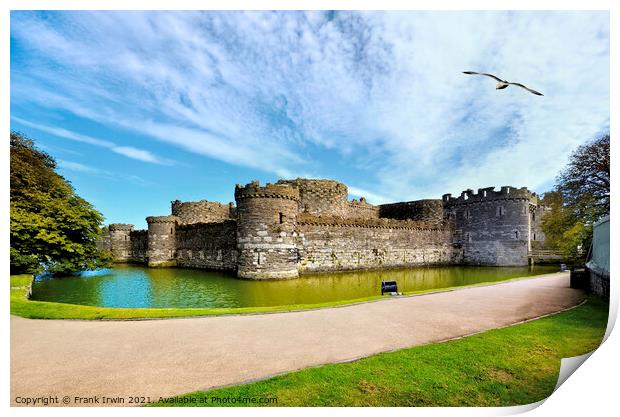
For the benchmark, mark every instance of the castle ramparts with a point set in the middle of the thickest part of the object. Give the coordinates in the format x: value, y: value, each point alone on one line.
x: 300, y: 226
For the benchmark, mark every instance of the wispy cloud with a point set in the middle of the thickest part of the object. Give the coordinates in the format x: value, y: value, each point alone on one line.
x: 90, y: 170
x: 369, y: 195
x: 128, y: 151
x: 279, y: 91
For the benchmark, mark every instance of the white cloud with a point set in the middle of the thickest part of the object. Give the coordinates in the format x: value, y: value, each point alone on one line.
x: 372, y: 198
x: 384, y: 91
x: 90, y: 170
x: 128, y: 151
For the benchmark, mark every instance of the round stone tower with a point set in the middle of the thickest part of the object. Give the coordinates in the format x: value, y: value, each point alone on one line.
x: 266, y: 238
x: 120, y: 241
x: 321, y: 197
x: 494, y: 226
x: 161, y: 240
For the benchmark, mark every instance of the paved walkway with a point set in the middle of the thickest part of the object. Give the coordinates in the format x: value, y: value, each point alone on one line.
x: 168, y: 357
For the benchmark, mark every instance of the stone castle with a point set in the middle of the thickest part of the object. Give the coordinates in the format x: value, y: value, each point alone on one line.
x: 302, y: 226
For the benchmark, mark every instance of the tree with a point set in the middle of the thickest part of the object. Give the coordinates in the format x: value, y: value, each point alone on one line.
x: 564, y: 231
x: 52, y: 228
x: 581, y: 196
x: 584, y: 183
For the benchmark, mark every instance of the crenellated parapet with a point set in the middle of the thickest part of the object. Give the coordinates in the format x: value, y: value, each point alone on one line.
x: 202, y: 211
x: 276, y: 191
x: 489, y: 194
x: 120, y: 227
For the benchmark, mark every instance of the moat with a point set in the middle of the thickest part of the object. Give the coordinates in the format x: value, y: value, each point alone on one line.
x: 141, y: 287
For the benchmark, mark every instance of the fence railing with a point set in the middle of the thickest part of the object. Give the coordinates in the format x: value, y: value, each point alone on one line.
x: 544, y: 253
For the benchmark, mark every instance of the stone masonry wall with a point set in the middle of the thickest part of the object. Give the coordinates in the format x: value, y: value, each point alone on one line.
x: 207, y: 245
x: 428, y: 210
x: 362, y: 210
x: 266, y: 238
x: 202, y: 211
x: 161, y: 249
x: 494, y: 227
x: 320, y: 196
x: 538, y: 236
x: 120, y: 243
x: 139, y: 245
x: 330, y: 245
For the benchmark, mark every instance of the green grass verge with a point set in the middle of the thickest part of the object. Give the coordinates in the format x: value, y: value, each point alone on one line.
x: 511, y: 366
x: 23, y: 280
x: 22, y: 306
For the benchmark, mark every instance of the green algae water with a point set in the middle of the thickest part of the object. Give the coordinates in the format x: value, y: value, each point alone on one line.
x: 136, y: 286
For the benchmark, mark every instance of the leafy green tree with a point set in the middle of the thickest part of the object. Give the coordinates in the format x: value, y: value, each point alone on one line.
x: 564, y: 231
x: 581, y: 196
x: 52, y: 228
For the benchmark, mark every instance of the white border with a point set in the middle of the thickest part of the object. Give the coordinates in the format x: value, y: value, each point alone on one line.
x: 592, y: 390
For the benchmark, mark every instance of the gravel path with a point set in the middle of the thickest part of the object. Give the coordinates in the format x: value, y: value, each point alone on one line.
x: 174, y: 356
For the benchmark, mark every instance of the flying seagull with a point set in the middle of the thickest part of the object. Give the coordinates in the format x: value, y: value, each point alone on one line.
x: 501, y: 84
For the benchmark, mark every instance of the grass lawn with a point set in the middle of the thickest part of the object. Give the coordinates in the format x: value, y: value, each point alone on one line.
x: 32, y: 309
x: 510, y: 366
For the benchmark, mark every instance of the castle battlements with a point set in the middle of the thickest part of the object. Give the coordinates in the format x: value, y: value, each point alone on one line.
x: 202, y: 211
x: 120, y: 227
x: 489, y: 194
x: 283, y: 229
x: 254, y: 190
x: 162, y: 219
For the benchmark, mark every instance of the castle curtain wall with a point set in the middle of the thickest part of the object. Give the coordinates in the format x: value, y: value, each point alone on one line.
x: 339, y: 247
x: 207, y: 245
x: 139, y: 245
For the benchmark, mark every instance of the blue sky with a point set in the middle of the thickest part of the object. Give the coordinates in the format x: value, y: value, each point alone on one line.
x: 141, y: 108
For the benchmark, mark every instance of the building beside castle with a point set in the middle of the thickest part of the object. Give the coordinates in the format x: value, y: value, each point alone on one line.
x: 301, y: 226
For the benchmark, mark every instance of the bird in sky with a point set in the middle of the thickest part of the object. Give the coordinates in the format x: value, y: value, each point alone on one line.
x: 501, y: 84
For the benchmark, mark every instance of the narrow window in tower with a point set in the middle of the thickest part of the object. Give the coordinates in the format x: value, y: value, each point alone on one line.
x: 533, y: 216
x: 534, y: 236
x: 281, y: 218
x: 516, y: 234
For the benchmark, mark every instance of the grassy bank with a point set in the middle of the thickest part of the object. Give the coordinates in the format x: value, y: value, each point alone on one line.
x: 510, y: 366
x: 22, y: 306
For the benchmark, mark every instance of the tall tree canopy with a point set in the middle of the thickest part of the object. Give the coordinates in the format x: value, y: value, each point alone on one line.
x: 580, y: 197
x: 584, y: 183
x: 52, y: 228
